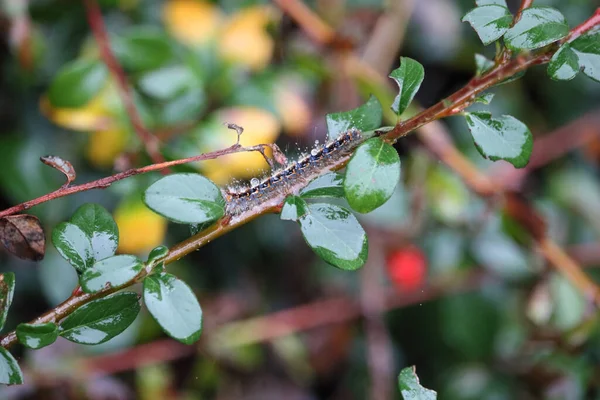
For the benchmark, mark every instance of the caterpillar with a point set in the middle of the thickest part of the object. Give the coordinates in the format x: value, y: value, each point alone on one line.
x: 272, y: 189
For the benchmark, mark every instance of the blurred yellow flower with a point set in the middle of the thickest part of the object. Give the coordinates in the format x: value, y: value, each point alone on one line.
x: 140, y: 229
x: 192, y: 22
x: 244, y: 39
x: 260, y: 127
x: 294, y: 111
x: 105, y: 146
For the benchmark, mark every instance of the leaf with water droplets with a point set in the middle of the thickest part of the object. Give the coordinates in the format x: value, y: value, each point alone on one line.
x: 112, y: 272
x: 489, y: 21
x: 587, y: 48
x: 411, y: 389
x: 10, y: 373
x: 102, y: 319
x: 174, y: 306
x: 293, y: 208
x: 538, y: 27
x: 7, y: 290
x: 36, y: 336
x: 99, y: 227
x: 328, y: 185
x: 409, y: 77
x: 364, y: 118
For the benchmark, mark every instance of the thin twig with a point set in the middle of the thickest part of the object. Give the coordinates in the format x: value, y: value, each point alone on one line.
x: 151, y: 143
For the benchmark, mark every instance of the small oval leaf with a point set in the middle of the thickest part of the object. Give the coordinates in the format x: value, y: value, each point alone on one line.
x: 411, y: 389
x: 371, y: 175
x: 36, y: 336
x: 328, y: 185
x: 77, y: 83
x: 10, y: 373
x: 7, y: 290
x: 143, y: 49
x: 293, y: 208
x: 538, y: 27
x: 505, y: 138
x: 186, y: 198
x: 23, y: 236
x: 174, y: 307
x: 112, y: 272
x: 409, y: 77
x: 73, y: 244
x: 101, y: 319
x: 62, y: 165
x: 364, y: 118
x: 587, y: 48
x: 157, y: 254
x: 489, y: 21
x: 564, y: 64
x: 99, y: 227
x: 335, y: 235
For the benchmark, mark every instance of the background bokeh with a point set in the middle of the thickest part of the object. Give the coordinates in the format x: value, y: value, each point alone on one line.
x: 451, y: 286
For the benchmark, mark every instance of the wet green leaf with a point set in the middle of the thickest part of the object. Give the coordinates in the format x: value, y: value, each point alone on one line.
x: 364, y: 118
x: 174, y: 307
x: 73, y: 244
x: 7, y: 290
x: 480, y: 3
x: 99, y: 227
x: 101, y: 319
x: 489, y: 21
x: 504, y: 138
x: 294, y: 207
x: 77, y: 83
x: 328, y: 185
x: 482, y: 64
x: 371, y: 175
x: 485, y: 98
x: 409, y: 77
x: 587, y: 49
x: 410, y: 388
x: 186, y: 198
x: 110, y: 272
x: 564, y: 65
x: 36, y: 336
x: 10, y: 373
x: 158, y: 253
x: 335, y: 235
x: 143, y: 49
x: 538, y: 27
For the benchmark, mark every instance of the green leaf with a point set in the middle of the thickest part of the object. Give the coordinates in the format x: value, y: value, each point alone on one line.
x: 110, y: 272
x: 538, y: 27
x: 328, y: 185
x: 364, y: 118
x: 174, y: 307
x: 482, y: 64
x: 101, y: 319
x: 157, y: 254
x: 587, y: 48
x: 564, y: 64
x: 143, y: 49
x: 186, y: 198
x: 77, y: 83
x: 409, y: 77
x: 36, y: 336
x: 99, y: 227
x: 485, y: 98
x: 10, y: 373
x: 481, y: 3
x: 335, y: 235
x: 294, y: 207
x: 504, y: 138
x: 73, y: 244
x: 7, y: 290
x: 411, y: 389
x: 371, y: 175
x: 489, y: 21
x: 168, y: 82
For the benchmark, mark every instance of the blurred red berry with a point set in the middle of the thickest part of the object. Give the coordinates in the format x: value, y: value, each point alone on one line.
x: 407, y: 268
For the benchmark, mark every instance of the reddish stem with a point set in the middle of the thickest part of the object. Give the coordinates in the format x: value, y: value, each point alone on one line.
x: 94, y: 16
x: 585, y: 26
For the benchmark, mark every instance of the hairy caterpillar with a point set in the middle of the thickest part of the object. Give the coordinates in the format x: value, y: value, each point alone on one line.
x: 272, y: 189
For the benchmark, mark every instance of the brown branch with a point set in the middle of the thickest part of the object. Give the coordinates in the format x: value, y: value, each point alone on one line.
x: 314, y: 26
x: 150, y: 142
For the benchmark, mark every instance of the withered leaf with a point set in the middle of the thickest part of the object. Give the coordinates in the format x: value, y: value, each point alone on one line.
x: 62, y: 165
x: 23, y: 236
